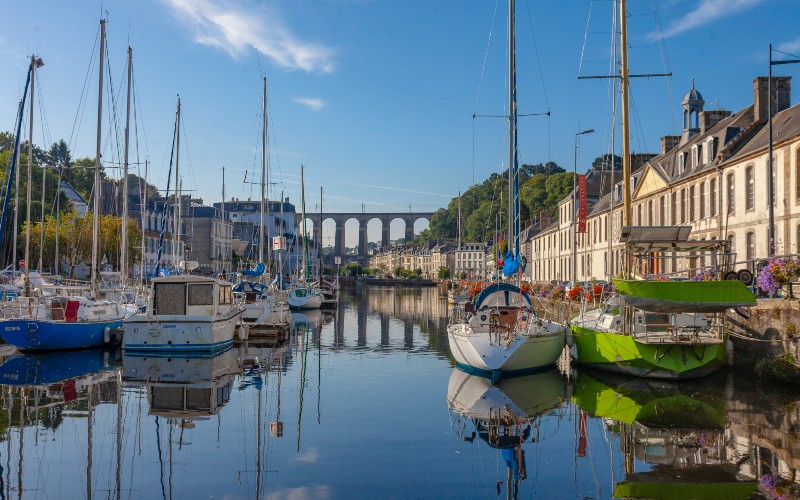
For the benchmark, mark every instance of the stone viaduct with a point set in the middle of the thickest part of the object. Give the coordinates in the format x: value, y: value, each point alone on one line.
x: 339, y: 219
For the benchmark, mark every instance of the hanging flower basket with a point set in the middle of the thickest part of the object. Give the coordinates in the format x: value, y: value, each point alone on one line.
x: 778, y: 272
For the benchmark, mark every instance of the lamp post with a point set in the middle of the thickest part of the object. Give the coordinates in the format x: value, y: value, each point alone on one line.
x: 770, y: 180
x: 575, y: 210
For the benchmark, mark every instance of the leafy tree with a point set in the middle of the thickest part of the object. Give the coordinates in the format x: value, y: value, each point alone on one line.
x: 82, y: 177
x: 604, y: 161
x: 59, y: 155
x: 443, y: 273
x: 136, y: 184
x: 6, y: 141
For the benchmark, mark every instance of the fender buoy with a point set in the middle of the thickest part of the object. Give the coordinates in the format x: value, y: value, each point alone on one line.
x: 243, y: 332
x: 106, y: 335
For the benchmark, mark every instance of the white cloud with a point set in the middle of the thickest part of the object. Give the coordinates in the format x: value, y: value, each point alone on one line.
x: 792, y: 46
x: 310, y: 456
x: 312, y: 103
x: 301, y: 493
x: 707, y: 12
x: 232, y: 27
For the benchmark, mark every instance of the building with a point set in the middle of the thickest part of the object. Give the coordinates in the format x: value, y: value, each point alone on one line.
x: 713, y: 177
x: 210, y: 239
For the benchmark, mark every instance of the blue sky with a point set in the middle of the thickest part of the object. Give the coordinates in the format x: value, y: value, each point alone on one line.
x: 377, y: 96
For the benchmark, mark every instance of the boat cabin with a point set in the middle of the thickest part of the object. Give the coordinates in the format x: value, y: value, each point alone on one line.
x: 190, y: 296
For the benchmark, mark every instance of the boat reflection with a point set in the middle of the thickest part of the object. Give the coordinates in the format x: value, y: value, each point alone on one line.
x: 505, y: 415
x: 43, y: 368
x: 674, y: 432
x: 184, y: 388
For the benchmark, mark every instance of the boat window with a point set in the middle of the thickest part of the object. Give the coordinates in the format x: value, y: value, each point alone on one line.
x: 657, y: 318
x: 169, y: 298
x: 224, y: 294
x: 201, y: 295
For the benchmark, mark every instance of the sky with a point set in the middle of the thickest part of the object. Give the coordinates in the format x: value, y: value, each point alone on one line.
x: 376, y: 98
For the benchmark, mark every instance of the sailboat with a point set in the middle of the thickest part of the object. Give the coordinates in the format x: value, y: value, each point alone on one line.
x: 71, y: 322
x: 658, y: 328
x: 264, y: 305
x: 500, y: 332
x: 302, y: 294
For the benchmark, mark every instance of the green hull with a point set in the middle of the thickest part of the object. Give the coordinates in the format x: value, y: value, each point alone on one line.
x: 619, y: 353
x: 654, y: 404
x: 642, y: 486
x: 685, y: 296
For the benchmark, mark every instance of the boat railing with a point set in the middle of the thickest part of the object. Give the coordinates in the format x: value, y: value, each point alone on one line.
x: 683, y: 334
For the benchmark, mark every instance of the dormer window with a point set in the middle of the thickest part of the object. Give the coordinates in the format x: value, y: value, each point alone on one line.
x: 617, y: 192
x: 710, y: 150
x: 681, y: 163
x: 633, y: 183
x: 695, y: 157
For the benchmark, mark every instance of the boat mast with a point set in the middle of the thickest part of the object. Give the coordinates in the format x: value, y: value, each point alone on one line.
x: 512, y: 126
x: 265, y: 195
x: 319, y: 243
x: 123, y: 257
x: 224, y: 230
x: 35, y: 63
x: 303, y: 209
x: 263, y: 169
x: 97, y: 185
x: 176, y: 209
x: 626, y: 160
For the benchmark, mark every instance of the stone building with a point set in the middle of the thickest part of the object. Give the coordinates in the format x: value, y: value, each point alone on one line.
x: 712, y: 177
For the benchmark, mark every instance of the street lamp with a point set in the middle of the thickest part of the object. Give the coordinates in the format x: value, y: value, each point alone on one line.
x: 770, y: 180
x: 575, y: 210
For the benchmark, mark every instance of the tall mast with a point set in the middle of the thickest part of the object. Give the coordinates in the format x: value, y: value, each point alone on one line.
x: 303, y: 211
x: 319, y: 242
x: 41, y: 226
x: 123, y: 258
x: 97, y: 185
x: 459, y: 219
x: 176, y: 209
x: 626, y: 159
x: 265, y: 148
x: 224, y: 231
x: 513, y: 187
x: 263, y: 171
x: 35, y: 63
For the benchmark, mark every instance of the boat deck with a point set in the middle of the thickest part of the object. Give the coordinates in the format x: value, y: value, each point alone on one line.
x: 683, y: 335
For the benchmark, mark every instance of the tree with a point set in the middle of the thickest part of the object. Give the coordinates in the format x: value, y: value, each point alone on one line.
x: 136, y: 184
x: 604, y: 161
x: 443, y: 273
x: 6, y: 141
x: 59, y: 155
x: 82, y: 178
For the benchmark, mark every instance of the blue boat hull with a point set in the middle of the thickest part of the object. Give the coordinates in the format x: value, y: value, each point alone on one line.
x: 37, y: 335
x: 52, y: 367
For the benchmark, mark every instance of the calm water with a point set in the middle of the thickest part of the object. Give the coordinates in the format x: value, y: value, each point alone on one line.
x: 366, y: 403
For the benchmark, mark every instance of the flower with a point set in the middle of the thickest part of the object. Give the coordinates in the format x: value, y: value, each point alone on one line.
x: 705, y: 274
x: 779, y: 271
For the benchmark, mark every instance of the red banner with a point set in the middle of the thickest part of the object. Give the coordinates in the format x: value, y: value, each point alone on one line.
x: 582, y: 203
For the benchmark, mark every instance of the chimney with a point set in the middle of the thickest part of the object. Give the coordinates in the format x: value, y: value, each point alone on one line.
x: 781, y: 96
x: 639, y: 159
x: 668, y: 142
x: 710, y: 118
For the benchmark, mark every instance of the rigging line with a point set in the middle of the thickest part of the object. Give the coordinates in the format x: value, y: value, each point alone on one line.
x: 585, y: 38
x: 76, y: 124
x: 785, y: 53
x: 486, y: 53
x: 538, y: 59
x: 665, y: 63
x: 545, y: 113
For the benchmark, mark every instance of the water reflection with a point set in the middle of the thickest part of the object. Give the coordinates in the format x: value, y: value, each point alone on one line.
x: 505, y: 416
x: 671, y: 435
x: 351, y: 404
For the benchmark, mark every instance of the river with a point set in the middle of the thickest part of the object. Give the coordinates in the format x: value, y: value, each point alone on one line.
x: 366, y: 403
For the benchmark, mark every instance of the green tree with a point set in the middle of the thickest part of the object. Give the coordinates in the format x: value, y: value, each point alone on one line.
x: 82, y: 176
x: 604, y: 161
x: 443, y: 273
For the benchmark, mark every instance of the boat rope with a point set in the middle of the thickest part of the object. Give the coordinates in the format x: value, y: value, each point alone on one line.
x: 746, y: 337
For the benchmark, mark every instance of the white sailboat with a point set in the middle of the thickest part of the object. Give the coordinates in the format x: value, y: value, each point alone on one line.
x: 304, y: 295
x: 500, y: 333
x: 264, y: 305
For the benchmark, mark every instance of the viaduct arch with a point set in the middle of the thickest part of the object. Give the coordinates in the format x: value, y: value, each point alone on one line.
x: 339, y: 219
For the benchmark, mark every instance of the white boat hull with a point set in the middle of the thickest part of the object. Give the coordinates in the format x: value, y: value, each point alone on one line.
x: 307, y: 301
x: 524, y: 352
x: 179, y: 333
x: 267, y: 313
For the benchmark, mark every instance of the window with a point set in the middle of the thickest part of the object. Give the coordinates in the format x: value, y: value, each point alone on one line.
x: 797, y: 174
x: 702, y: 188
x: 201, y: 295
x: 712, y: 198
x: 169, y: 298
x: 673, y: 198
x: 750, y: 197
x: 691, y: 203
x: 683, y: 205
x: 750, y: 241
x: 731, y: 193
x: 224, y: 294
x: 710, y: 150
x: 661, y: 209
x: 650, y: 217
x: 695, y: 156
x: 681, y: 163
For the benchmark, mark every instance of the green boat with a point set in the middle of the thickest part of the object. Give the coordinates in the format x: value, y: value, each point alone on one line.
x: 662, y: 328
x: 685, y: 296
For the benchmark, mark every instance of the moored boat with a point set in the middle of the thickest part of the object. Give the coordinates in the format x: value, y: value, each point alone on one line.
x: 185, y: 313
x: 501, y: 334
